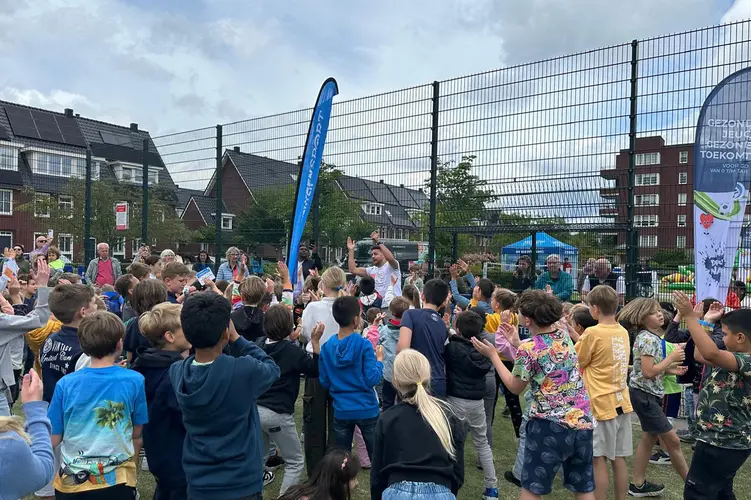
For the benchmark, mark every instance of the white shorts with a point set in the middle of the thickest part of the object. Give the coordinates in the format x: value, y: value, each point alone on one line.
x: 613, y: 438
x: 49, y: 490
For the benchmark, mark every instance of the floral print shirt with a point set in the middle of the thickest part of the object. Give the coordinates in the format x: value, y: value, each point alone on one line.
x: 723, y: 415
x: 647, y: 344
x: 548, y: 362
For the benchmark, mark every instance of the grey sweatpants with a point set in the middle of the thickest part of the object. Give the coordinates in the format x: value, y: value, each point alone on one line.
x: 281, y: 428
x: 473, y: 413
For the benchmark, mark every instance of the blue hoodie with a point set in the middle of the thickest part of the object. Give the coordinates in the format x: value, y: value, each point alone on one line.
x: 223, y: 450
x: 349, y: 370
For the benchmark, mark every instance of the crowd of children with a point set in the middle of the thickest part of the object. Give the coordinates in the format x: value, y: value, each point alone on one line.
x: 206, y: 382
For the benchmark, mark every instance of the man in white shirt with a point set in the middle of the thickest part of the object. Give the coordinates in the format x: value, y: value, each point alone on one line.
x: 604, y: 275
x: 384, y: 266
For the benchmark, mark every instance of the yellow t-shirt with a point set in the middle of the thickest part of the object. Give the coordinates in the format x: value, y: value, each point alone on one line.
x: 603, y: 358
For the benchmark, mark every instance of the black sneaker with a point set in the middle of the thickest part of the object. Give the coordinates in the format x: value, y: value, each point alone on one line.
x: 509, y: 476
x: 646, y: 490
x: 660, y: 458
x: 506, y: 413
x: 686, y: 436
x: 273, y: 463
x: 268, y: 477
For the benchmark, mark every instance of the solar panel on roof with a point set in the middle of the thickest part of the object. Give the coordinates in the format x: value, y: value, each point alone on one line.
x: 115, y: 139
x: 39, y: 124
x: 43, y: 116
x: 4, y: 133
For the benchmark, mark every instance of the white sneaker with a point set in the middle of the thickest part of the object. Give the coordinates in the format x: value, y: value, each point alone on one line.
x: 268, y: 477
x: 144, y: 464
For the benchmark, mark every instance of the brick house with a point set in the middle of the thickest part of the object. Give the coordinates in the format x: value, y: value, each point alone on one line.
x: 40, y: 150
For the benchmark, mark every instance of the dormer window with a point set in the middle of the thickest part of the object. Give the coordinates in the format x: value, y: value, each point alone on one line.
x: 372, y: 208
x: 59, y: 165
x: 132, y: 174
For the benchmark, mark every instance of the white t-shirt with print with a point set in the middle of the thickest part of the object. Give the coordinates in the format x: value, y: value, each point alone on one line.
x: 382, y: 276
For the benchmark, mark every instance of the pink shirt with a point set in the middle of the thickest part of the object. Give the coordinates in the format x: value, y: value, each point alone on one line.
x: 104, y: 273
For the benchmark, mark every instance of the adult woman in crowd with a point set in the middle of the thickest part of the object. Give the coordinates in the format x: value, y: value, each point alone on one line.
x: 167, y: 256
x: 143, y: 253
x: 234, y: 268
x: 203, y: 262
x: 415, y: 277
x: 523, y: 279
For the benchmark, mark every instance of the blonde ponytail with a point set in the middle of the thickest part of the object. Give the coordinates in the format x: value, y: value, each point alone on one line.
x: 334, y: 280
x: 13, y: 424
x: 411, y: 374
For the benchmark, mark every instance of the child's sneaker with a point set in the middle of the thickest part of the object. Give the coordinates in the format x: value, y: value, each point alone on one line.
x: 273, y: 463
x: 646, y: 490
x: 511, y: 478
x: 660, y: 458
x: 686, y: 436
x: 490, y: 494
x: 268, y: 477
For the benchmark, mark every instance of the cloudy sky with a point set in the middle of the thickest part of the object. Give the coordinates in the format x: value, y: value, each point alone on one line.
x: 175, y: 64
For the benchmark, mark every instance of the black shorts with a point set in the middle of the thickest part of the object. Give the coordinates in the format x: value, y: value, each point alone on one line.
x: 648, y: 408
x: 549, y: 446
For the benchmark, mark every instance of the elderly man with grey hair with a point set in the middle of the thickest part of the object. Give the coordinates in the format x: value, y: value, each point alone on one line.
x: 103, y: 270
x: 602, y: 274
x: 561, y: 283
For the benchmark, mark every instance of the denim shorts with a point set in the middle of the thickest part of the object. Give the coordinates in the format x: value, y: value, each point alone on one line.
x: 550, y: 446
x: 407, y: 490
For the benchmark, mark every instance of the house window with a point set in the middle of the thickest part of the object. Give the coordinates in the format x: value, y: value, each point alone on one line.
x: 118, y: 247
x: 62, y: 166
x: 226, y: 222
x: 647, y: 200
x: 682, y: 199
x: 683, y: 157
x: 41, y: 205
x: 372, y: 209
x: 6, y: 202
x: 647, y: 159
x: 204, y: 247
x: 65, y: 205
x: 682, y: 177
x: 648, y: 240
x: 133, y: 174
x: 680, y: 241
x: 681, y: 221
x: 645, y: 221
x: 8, y: 158
x: 6, y: 239
x: 65, y: 244
x: 652, y: 179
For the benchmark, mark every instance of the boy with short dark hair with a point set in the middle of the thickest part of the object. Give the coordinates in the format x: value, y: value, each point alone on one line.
x: 176, y: 276
x: 276, y: 406
x: 163, y: 436
x: 145, y: 295
x: 139, y: 270
x: 350, y: 370
x: 723, y: 422
x: 466, y: 370
x: 424, y: 330
x: 70, y: 304
x: 603, y: 352
x: 388, y: 337
x: 217, y: 393
x: 369, y: 297
x: 124, y: 287
x: 97, y: 414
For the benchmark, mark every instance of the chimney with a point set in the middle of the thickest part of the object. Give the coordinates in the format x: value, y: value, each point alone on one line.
x: 68, y: 113
x: 381, y: 181
x: 78, y: 115
x: 420, y: 189
x: 134, y: 127
x: 401, y: 185
x: 237, y: 149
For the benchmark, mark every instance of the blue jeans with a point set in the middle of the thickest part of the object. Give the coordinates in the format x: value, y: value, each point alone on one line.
x: 344, y: 430
x: 407, y: 490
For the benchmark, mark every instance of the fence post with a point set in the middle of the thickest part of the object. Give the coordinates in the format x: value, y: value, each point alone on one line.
x: 533, y: 251
x: 88, y: 250
x: 433, y: 177
x: 632, y: 248
x: 219, y: 202
x: 145, y: 186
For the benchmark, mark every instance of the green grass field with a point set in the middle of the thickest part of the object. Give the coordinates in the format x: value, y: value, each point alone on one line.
x: 504, y: 453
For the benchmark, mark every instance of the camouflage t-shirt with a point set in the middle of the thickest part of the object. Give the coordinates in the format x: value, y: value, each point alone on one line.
x: 723, y: 415
x: 647, y: 344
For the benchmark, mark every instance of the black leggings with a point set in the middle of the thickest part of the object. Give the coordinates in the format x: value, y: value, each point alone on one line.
x: 119, y: 492
x: 512, y: 401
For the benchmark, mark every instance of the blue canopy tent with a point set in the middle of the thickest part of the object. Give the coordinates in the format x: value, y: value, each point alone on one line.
x: 545, y: 244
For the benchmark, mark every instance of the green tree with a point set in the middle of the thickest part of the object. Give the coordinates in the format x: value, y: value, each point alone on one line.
x: 65, y: 212
x: 462, y: 199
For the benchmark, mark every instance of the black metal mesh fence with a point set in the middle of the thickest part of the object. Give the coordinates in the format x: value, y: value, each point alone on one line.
x: 584, y: 156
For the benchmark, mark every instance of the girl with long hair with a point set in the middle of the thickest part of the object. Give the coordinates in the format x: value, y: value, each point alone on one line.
x: 318, y: 409
x: 334, y: 478
x: 203, y: 262
x: 419, y: 446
